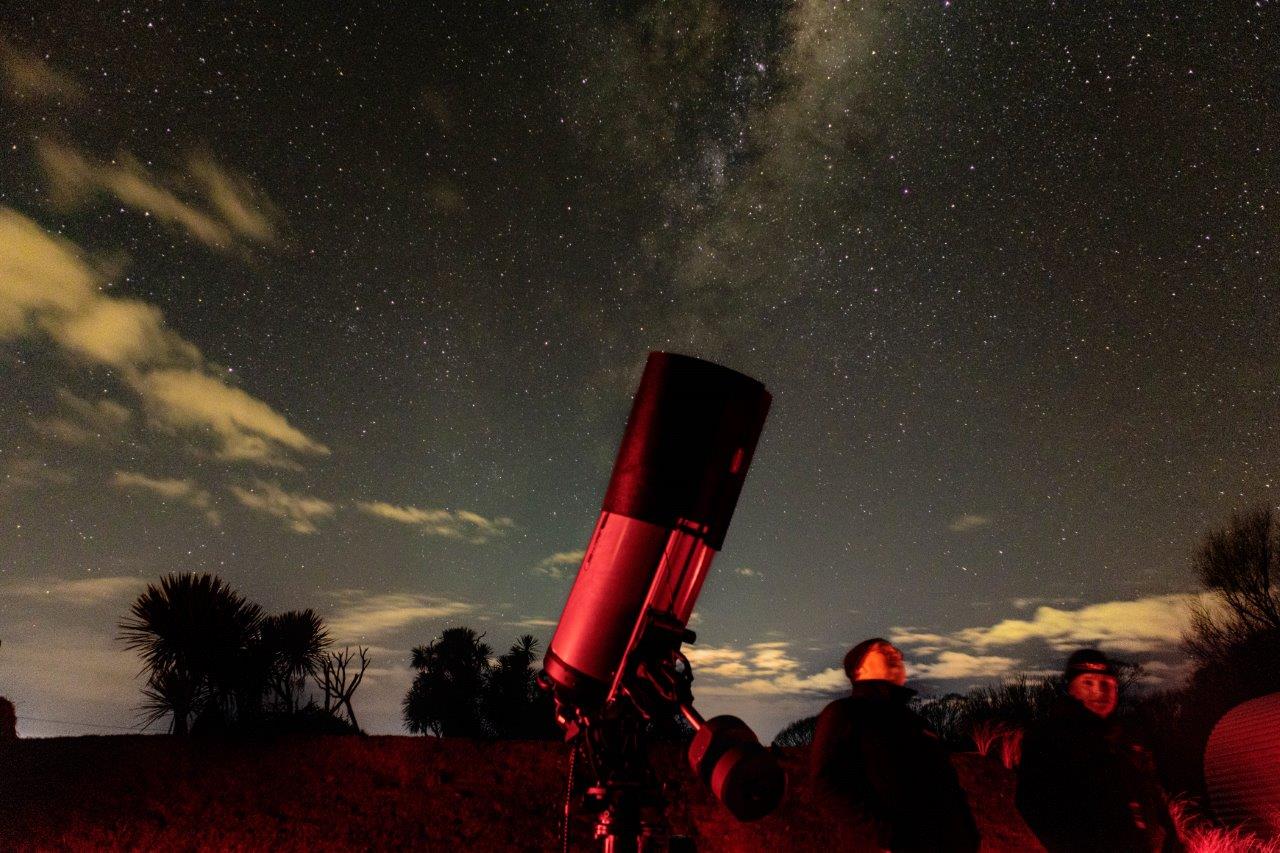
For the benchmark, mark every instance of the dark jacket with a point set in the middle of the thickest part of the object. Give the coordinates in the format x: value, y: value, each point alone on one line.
x: 1085, y: 783
x: 876, y: 762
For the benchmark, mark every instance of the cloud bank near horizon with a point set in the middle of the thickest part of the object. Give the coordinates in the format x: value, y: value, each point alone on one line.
x: 1147, y: 631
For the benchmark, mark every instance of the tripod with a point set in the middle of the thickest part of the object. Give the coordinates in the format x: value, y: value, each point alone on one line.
x: 625, y: 795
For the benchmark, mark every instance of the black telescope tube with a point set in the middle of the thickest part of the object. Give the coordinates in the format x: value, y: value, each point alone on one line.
x: 688, y: 444
x: 680, y: 468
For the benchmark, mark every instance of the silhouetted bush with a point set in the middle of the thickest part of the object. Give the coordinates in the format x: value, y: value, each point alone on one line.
x: 1018, y: 702
x: 1234, y: 642
x: 216, y: 664
x: 460, y: 692
x: 512, y: 701
x: 947, y: 717
x: 8, y: 720
x: 799, y: 733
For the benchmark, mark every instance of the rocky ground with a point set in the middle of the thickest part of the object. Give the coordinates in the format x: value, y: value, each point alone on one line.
x: 339, y: 793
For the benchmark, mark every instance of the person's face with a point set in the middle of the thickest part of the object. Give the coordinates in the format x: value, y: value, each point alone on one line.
x: 1096, y: 691
x: 884, y: 663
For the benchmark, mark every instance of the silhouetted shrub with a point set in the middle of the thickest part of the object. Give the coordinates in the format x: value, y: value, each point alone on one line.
x: 798, y: 733
x: 217, y: 665
x: 460, y: 692
x: 947, y: 717
x: 8, y: 720
x: 445, y: 697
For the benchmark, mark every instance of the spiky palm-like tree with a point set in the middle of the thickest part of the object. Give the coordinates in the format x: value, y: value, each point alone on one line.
x: 516, y: 707
x: 173, y: 694
x: 294, y: 645
x: 195, y: 635
x: 446, y: 695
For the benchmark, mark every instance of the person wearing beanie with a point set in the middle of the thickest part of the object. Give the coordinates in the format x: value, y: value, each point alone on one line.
x: 1085, y: 782
x: 884, y: 778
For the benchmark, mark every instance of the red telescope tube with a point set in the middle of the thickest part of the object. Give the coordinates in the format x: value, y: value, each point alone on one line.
x: 681, y: 466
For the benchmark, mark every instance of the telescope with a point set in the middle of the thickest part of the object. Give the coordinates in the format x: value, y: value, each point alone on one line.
x: 614, y: 664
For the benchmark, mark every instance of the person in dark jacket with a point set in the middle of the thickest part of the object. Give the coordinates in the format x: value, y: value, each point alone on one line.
x: 1084, y: 783
x: 876, y: 765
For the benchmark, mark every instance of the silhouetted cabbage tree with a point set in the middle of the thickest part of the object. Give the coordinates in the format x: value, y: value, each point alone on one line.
x: 215, y: 662
x: 460, y: 691
x: 295, y: 646
x: 514, y: 704
x: 196, y: 636
x: 446, y: 695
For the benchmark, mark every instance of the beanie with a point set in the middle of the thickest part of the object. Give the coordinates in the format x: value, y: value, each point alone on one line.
x: 1084, y: 661
x: 853, y: 659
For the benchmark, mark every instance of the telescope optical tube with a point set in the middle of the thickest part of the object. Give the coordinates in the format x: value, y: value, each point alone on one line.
x: 676, y: 480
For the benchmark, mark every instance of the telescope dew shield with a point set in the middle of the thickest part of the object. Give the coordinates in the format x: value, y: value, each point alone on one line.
x: 679, y: 471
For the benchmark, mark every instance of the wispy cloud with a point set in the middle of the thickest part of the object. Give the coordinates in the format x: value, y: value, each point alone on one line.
x: 1141, y: 625
x: 244, y: 209
x: 533, y: 622
x: 92, y: 670
x: 84, y: 592
x: 364, y: 615
x: 80, y: 421
x: 298, y: 511
x: 23, y: 472
x: 234, y: 212
x: 27, y: 77
x: 48, y: 287
x: 766, y: 669
x: 1035, y: 601
x: 968, y: 522
x: 170, y: 489
x: 1147, y: 627
x: 558, y: 564
x: 954, y: 664
x: 451, y: 524
x: 42, y: 278
x: 244, y: 427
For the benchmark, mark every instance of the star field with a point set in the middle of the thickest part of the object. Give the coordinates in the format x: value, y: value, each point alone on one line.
x: 348, y: 308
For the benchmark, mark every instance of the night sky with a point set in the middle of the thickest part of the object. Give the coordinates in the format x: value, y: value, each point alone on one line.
x: 347, y: 305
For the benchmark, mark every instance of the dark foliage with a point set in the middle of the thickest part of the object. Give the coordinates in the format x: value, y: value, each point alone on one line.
x: 196, y: 638
x: 799, y: 733
x: 1240, y: 564
x: 294, y: 646
x: 1235, y: 639
x: 216, y: 664
x: 446, y: 695
x: 947, y: 717
x: 460, y: 692
x: 514, y: 704
x: 1018, y: 702
x: 1234, y: 642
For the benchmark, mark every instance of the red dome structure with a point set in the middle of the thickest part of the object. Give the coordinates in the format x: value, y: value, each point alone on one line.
x: 1242, y: 765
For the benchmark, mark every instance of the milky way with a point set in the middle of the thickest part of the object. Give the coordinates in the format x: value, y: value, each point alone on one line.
x: 348, y: 308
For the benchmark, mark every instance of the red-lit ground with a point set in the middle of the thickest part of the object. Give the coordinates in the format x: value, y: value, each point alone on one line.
x: 381, y: 792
